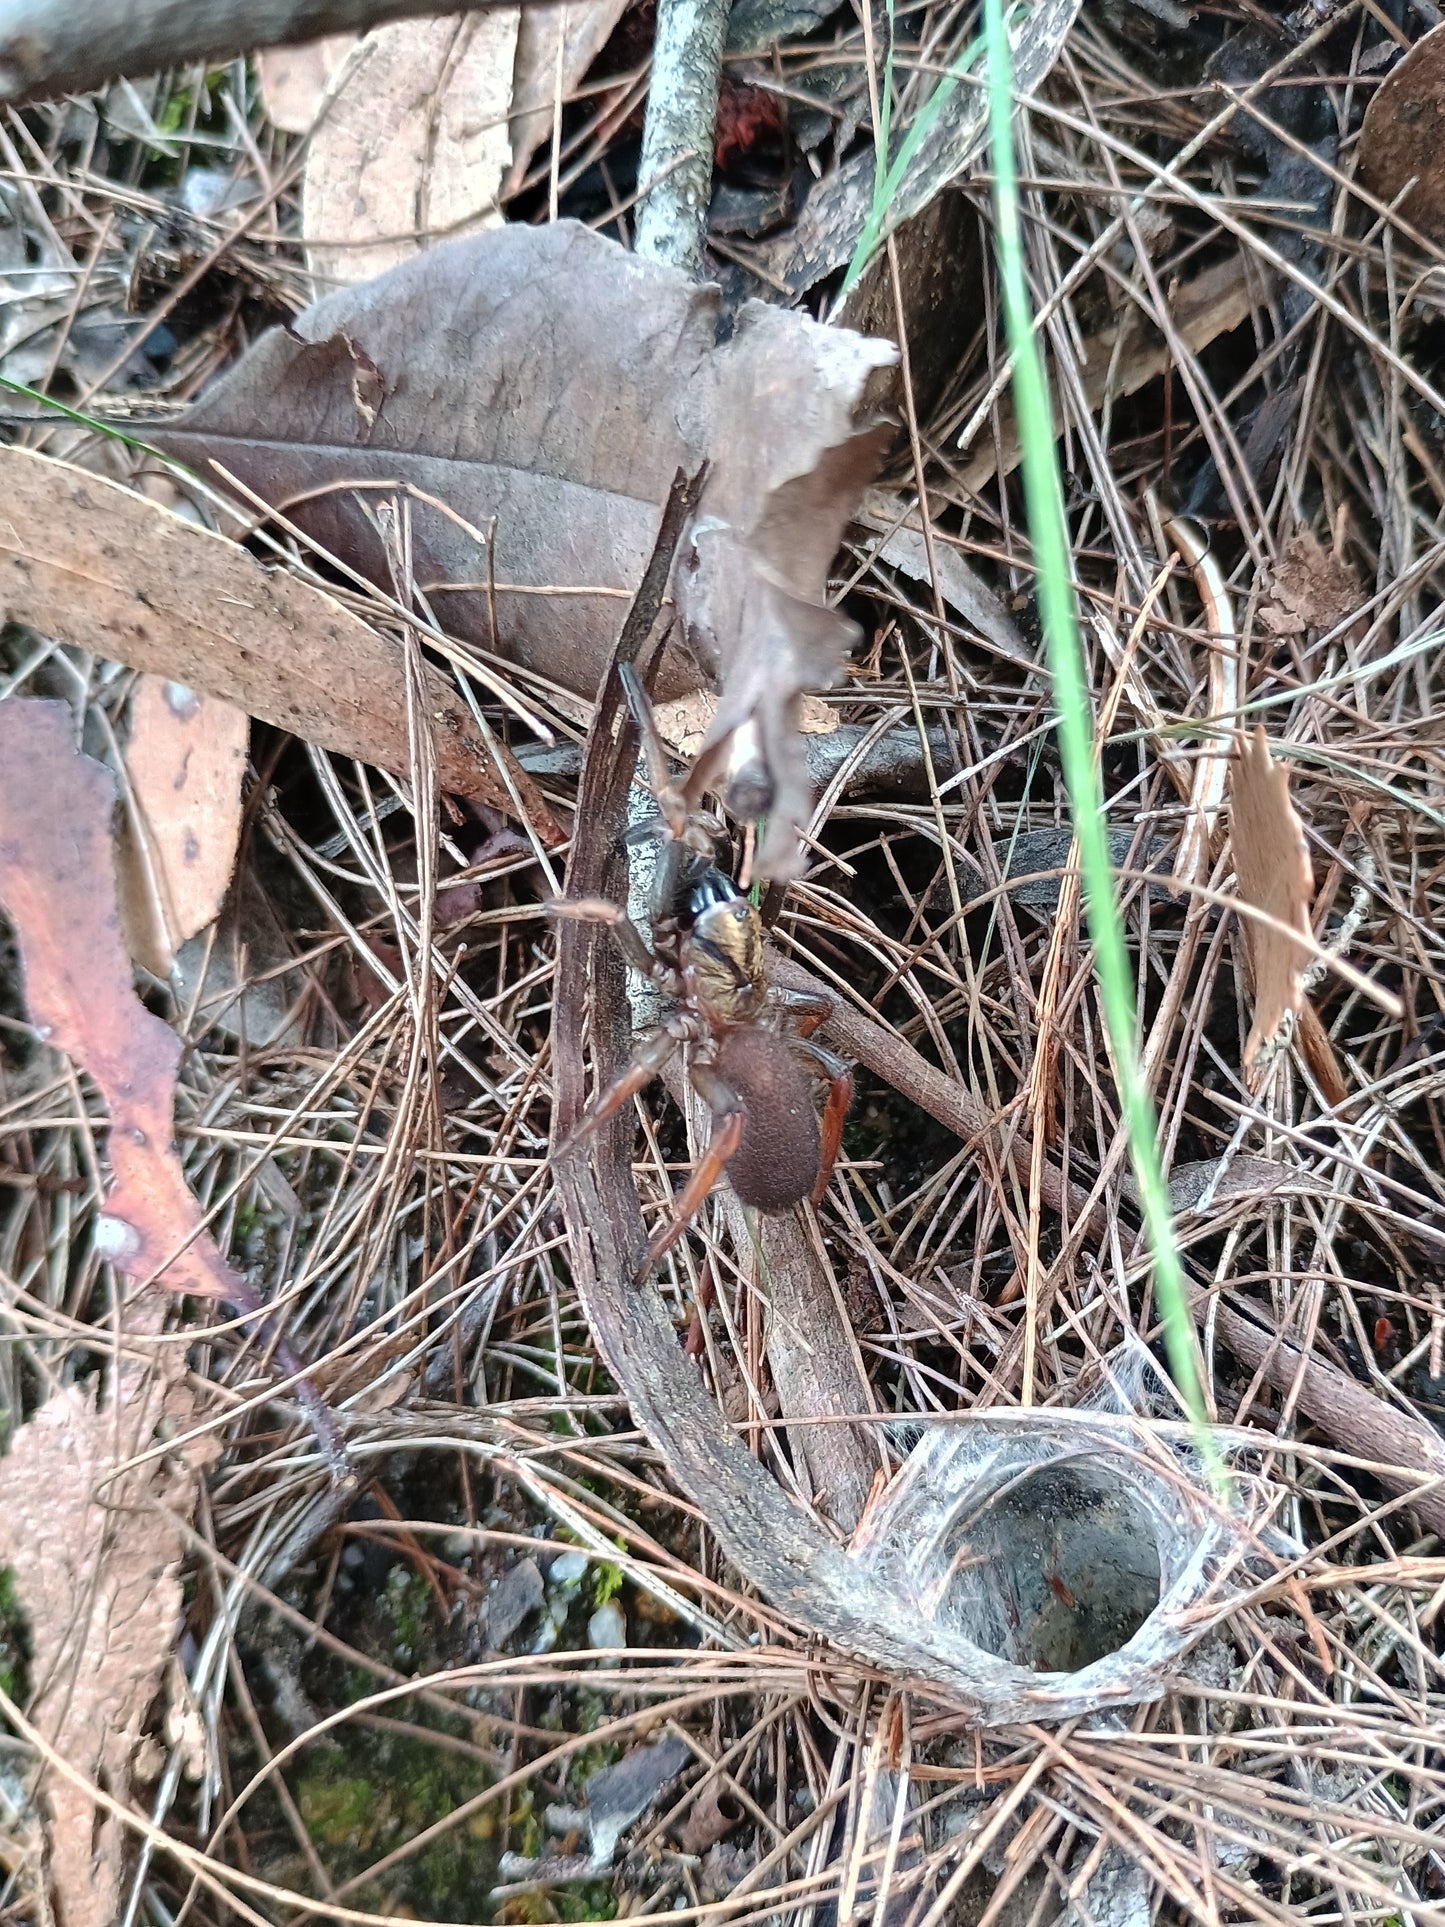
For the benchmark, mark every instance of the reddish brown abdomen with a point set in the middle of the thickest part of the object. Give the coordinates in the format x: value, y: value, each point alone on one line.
x: 777, y: 1162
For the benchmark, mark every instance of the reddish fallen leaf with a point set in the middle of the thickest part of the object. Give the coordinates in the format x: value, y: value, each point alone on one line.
x: 94, y: 1547
x: 1272, y: 865
x: 1403, y: 136
x: 545, y: 385
x: 414, y: 145
x: 102, y: 568
x: 1311, y: 588
x: 57, y: 885
x: 185, y: 757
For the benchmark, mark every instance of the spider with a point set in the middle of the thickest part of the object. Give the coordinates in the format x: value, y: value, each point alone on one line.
x: 750, y: 1050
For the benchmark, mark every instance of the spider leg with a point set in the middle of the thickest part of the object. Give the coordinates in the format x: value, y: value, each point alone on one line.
x: 727, y: 1134
x: 659, y: 776
x: 630, y: 940
x: 726, y: 1138
x: 653, y: 1051
x: 808, y: 1009
x: 840, y: 1095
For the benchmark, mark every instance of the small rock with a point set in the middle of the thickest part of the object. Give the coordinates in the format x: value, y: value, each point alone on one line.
x: 515, y: 1597
x: 570, y: 1569
x: 607, y: 1628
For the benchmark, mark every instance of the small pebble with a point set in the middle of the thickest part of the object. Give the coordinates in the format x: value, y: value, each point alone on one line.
x: 570, y: 1569
x: 607, y: 1628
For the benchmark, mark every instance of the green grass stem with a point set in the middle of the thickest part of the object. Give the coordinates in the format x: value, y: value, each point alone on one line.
x: 1044, y: 501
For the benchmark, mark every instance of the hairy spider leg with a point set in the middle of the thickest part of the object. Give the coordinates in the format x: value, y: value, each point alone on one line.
x: 659, y: 775
x: 630, y: 940
x: 654, y: 1051
x: 840, y: 1096
x: 808, y: 1010
x: 728, y: 1119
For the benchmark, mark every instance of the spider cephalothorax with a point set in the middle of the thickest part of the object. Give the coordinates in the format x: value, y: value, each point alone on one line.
x: 750, y: 1050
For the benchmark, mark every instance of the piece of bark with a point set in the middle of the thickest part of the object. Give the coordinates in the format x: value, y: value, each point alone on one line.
x: 1402, y: 141
x: 48, y: 48
x: 1272, y: 865
x: 100, y: 568
x: 95, y: 1550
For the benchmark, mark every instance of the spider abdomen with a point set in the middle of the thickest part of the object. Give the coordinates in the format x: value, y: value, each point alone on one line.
x: 776, y: 1164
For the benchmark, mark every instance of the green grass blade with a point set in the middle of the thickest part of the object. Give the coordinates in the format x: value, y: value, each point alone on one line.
x: 888, y: 182
x: 1044, y: 500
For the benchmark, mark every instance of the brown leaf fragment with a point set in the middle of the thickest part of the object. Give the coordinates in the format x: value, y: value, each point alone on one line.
x: 583, y: 29
x: 414, y: 145
x: 293, y: 80
x: 185, y: 758
x: 1272, y: 865
x: 1402, y: 141
x: 546, y: 385
x: 95, y: 1549
x: 1311, y: 589
x: 98, y: 566
x: 57, y: 885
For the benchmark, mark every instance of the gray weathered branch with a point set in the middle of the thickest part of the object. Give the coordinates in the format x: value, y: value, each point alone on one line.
x: 678, y: 133
x: 50, y: 47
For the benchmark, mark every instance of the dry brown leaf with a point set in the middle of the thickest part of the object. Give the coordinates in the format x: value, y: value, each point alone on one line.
x: 1272, y: 865
x: 99, y: 567
x: 585, y: 378
x: 414, y: 145
x: 1403, y: 136
x: 95, y: 1552
x: 293, y: 80
x: 57, y: 884
x: 1311, y: 589
x: 185, y: 757
x: 581, y: 30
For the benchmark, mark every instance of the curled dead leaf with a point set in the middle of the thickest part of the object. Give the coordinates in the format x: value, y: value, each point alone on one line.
x: 1272, y: 865
x: 1311, y: 588
x: 538, y: 389
x: 555, y: 47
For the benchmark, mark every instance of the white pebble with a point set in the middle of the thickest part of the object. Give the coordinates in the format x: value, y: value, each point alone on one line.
x: 570, y: 1569
x: 607, y: 1628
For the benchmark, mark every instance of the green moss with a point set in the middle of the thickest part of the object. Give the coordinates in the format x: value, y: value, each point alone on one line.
x: 337, y: 1812
x: 586, y: 1900
x: 370, y: 1794
x: 14, y: 1641
x: 407, y: 1603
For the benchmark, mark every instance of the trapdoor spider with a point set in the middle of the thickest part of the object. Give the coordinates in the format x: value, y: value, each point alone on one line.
x: 750, y: 1050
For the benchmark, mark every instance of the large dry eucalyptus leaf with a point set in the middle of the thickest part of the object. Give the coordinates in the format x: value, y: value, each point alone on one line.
x: 544, y: 386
